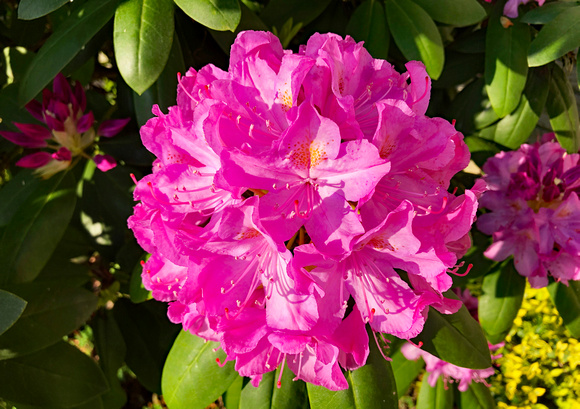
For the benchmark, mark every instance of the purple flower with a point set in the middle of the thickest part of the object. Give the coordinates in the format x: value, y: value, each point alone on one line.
x: 69, y: 131
x: 534, y: 211
x: 291, y: 184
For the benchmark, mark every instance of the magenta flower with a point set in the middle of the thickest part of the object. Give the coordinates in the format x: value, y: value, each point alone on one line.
x: 534, y: 211
x: 511, y: 7
x: 68, y: 132
x: 291, y: 184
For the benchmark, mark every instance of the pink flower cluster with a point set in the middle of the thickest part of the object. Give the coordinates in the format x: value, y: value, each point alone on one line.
x: 287, y: 194
x: 68, y: 132
x: 534, y: 211
x: 511, y: 8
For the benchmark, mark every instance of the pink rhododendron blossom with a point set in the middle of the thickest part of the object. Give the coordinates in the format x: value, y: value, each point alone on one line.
x: 511, y: 7
x: 69, y: 130
x: 287, y: 195
x: 534, y: 211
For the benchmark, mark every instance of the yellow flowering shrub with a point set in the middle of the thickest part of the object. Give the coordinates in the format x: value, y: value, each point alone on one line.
x: 538, y: 369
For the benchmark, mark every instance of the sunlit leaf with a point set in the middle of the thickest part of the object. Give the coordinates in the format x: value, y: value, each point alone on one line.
x: 457, y: 13
x: 218, y: 15
x: 439, y: 396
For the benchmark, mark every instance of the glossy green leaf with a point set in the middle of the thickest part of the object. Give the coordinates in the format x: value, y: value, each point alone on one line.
x: 31, y: 9
x: 469, y: 106
x: 36, y: 228
x: 506, y: 63
x: 277, y: 12
x: 477, y: 396
x: 290, y: 395
x: 67, y: 40
x: 232, y: 397
x: 457, y: 13
x: 416, y: 34
x: 435, y: 397
x: 192, y: 362
x: 137, y: 291
x: 455, y: 338
x: 503, y: 291
x: 218, y: 15
x: 111, y: 349
x: 369, y: 24
x: 14, y: 194
x: 405, y: 371
x: 480, y: 150
x: 149, y: 337
x: 567, y: 301
x: 547, y: 12
x: 516, y: 127
x: 11, y: 306
x: 370, y: 386
x: 563, y: 111
x: 52, y: 312
x: 556, y: 38
x: 60, y: 376
x: 142, y: 37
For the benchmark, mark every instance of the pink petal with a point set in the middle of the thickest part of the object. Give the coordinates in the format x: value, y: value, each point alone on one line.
x: 105, y: 162
x: 112, y: 127
x: 34, y: 160
x: 85, y: 122
x: 23, y: 140
x: 34, y: 131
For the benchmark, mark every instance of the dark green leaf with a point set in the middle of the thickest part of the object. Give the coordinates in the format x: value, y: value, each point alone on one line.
x: 36, y: 228
x: 556, y: 38
x: 218, y: 15
x: 435, y: 397
x: 137, y: 291
x: 547, y: 12
x: 191, y: 377
x: 455, y: 338
x: 31, y: 9
x: 11, y: 307
x: 457, y: 13
x: 369, y: 24
x: 14, y: 194
x: 459, y: 68
x: 149, y: 336
x: 469, y: 105
x: 470, y: 43
x: 111, y: 349
x: 405, y: 370
x: 142, y: 37
x: 60, y: 376
x: 370, y: 386
x: 503, y: 291
x: 480, y: 150
x: 477, y: 396
x: 506, y: 63
x: 277, y: 12
x: 52, y: 312
x: 516, y: 127
x: 563, y: 111
x: 64, y: 44
x: 248, y: 21
x: 416, y: 34
x: 567, y: 301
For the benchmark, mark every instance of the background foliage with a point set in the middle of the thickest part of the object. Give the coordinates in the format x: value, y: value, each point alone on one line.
x: 77, y: 329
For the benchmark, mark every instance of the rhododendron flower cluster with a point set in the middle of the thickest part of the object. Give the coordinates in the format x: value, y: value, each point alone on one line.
x: 288, y: 194
x: 68, y: 133
x: 534, y: 211
x: 511, y: 7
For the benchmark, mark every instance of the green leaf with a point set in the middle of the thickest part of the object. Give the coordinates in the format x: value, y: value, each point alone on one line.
x: 142, y: 37
x: 556, y: 38
x: 506, y: 63
x: 503, y: 291
x: 218, y: 15
x: 516, y: 127
x: 457, y: 13
x: 563, y: 111
x: 248, y: 21
x: 137, y: 291
x: 232, y: 397
x: 60, y: 376
x: 416, y: 34
x: 52, y: 312
x: 455, y: 338
x: 369, y: 24
x: 435, y: 397
x: 31, y: 9
x: 191, y: 377
x: 477, y: 396
x: 480, y: 150
x: 36, y: 228
x: 11, y: 307
x: 277, y: 12
x: 68, y: 39
x: 405, y: 371
x: 547, y: 12
x: 370, y: 386
x: 567, y: 301
x: 459, y: 69
x: 14, y: 194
